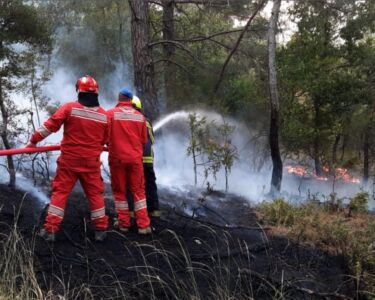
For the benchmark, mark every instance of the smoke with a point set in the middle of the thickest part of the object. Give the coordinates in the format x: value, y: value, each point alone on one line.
x: 25, y: 184
x: 174, y: 168
x: 251, y: 173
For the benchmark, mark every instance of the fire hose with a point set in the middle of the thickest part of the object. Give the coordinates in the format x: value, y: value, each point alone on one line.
x: 16, y: 151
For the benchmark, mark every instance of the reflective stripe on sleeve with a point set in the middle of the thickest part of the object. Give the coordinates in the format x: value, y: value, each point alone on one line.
x: 141, y: 204
x: 150, y: 133
x: 56, y: 211
x: 148, y: 159
x: 97, y: 213
x: 44, y: 132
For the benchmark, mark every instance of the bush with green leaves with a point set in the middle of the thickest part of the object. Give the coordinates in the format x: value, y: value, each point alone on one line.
x: 278, y: 212
x: 333, y: 203
x: 211, y: 147
x: 359, y: 202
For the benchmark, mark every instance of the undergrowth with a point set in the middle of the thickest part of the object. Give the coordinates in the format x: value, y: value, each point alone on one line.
x: 347, y: 230
x: 179, y: 275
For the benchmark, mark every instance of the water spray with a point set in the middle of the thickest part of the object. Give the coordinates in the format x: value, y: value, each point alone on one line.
x: 171, y: 117
x: 183, y: 114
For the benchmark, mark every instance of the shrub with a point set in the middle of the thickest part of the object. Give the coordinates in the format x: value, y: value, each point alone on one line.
x: 333, y: 204
x: 329, y: 228
x: 278, y: 212
x: 359, y: 202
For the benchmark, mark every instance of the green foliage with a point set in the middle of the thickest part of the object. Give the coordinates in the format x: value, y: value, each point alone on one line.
x: 197, y: 126
x: 220, y: 151
x: 359, y: 202
x: 211, y: 147
x: 278, y: 212
x: 20, y: 23
x: 93, y: 37
x: 24, y: 39
x: 333, y: 204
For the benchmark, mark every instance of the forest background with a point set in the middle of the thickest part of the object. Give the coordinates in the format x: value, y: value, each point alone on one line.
x: 208, y: 54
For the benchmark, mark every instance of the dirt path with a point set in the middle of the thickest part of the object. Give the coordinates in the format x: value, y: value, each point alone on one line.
x: 205, y: 247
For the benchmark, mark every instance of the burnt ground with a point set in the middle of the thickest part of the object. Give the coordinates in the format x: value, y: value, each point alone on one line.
x: 203, y: 247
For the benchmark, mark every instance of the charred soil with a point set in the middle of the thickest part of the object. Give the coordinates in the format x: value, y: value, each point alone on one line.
x: 203, y: 247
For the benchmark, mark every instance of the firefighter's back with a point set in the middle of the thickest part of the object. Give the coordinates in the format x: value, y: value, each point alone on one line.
x: 127, y: 133
x: 85, y: 131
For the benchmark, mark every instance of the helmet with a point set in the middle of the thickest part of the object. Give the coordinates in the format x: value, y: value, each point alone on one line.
x: 137, y: 103
x: 87, y: 84
x: 126, y: 92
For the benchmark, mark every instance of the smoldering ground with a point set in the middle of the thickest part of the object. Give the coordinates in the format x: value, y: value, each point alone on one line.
x: 221, y: 251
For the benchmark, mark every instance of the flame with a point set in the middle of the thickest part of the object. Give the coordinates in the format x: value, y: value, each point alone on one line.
x: 340, y: 174
x: 343, y: 174
x: 321, y: 178
x: 298, y: 170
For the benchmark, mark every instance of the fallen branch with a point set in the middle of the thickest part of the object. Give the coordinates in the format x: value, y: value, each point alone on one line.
x: 255, y: 249
x: 321, y: 294
x: 225, y: 227
x: 328, y: 295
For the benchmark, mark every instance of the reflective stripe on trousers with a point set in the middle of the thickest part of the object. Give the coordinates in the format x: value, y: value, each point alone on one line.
x: 63, y: 184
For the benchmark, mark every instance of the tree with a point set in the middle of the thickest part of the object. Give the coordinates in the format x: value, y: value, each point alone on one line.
x: 221, y: 152
x: 197, y: 126
x: 142, y: 58
x: 20, y: 24
x: 93, y: 38
x: 277, y: 171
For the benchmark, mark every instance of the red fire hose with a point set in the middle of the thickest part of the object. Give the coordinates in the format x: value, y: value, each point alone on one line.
x: 33, y: 150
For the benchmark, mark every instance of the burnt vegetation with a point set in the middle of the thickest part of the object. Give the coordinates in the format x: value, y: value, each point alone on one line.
x: 299, y: 77
x: 219, y: 251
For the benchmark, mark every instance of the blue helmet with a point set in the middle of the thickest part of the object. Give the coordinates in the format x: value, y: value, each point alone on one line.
x: 126, y: 92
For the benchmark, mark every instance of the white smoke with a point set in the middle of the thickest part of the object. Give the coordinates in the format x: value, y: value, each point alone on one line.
x: 25, y: 184
x: 174, y: 168
x: 250, y: 175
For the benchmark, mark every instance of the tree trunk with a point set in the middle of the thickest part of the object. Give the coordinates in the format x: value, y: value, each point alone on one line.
x: 120, y: 33
x: 4, y: 137
x: 343, y: 147
x: 142, y: 59
x: 334, y: 149
x: 316, y: 152
x: 366, y: 148
x: 168, y: 48
x: 277, y: 171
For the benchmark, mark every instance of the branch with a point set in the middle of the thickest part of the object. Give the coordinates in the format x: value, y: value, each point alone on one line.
x: 225, y: 227
x: 259, y: 7
x: 210, y: 2
x: 178, y: 46
x: 175, y: 63
x: 156, y: 3
x: 202, y: 38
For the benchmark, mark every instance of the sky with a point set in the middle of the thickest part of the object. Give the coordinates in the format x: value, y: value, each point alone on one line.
x: 286, y: 26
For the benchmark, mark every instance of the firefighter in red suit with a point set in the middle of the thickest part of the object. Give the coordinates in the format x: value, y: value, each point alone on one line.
x: 127, y: 135
x: 85, y: 133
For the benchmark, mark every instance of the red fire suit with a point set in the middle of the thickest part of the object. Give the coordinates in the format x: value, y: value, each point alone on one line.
x: 85, y: 132
x: 127, y: 135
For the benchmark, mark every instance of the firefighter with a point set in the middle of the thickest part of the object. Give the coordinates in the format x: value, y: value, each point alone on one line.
x: 127, y: 135
x: 148, y: 166
x: 85, y: 132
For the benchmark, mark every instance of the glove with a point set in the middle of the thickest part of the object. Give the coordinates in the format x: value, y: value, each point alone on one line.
x: 30, y: 145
